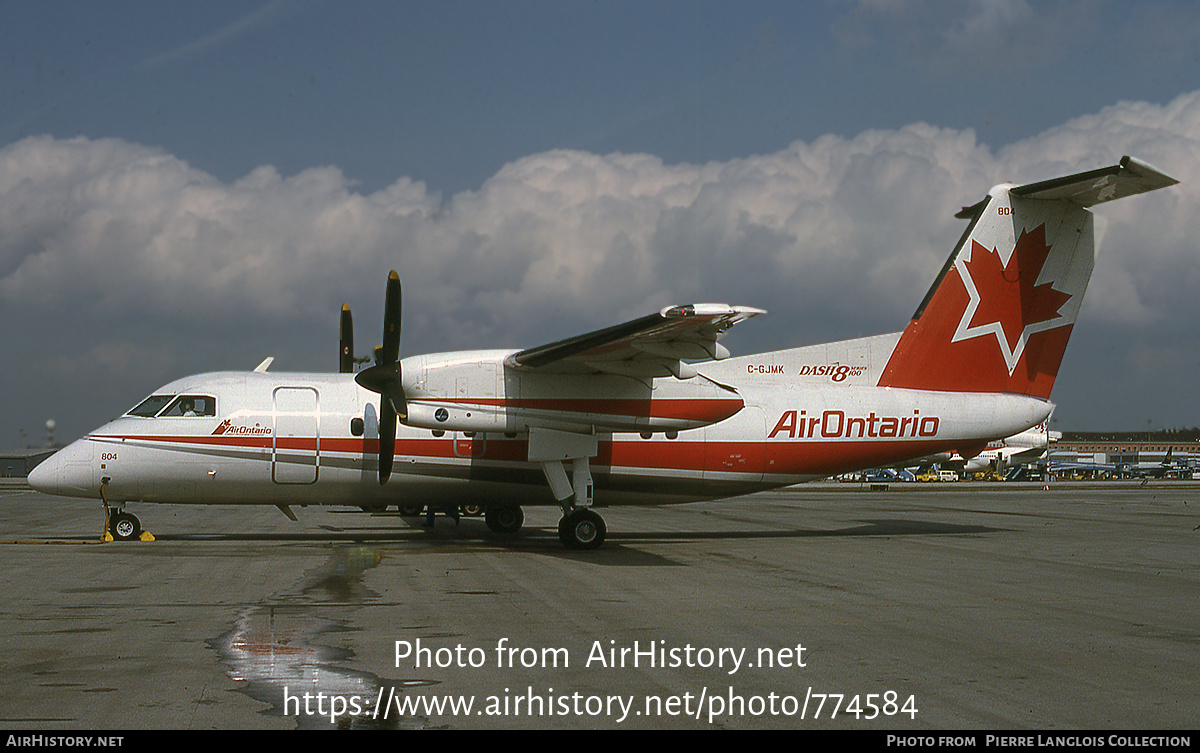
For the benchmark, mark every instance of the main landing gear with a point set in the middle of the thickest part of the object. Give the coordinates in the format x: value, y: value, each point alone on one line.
x: 579, y: 528
x: 506, y: 519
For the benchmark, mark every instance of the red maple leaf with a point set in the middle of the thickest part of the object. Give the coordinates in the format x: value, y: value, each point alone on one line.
x: 1009, y: 294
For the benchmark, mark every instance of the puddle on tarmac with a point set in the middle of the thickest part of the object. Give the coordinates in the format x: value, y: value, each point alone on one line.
x: 278, y: 653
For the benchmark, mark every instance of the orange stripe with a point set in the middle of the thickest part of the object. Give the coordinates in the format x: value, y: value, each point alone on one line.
x: 687, y: 409
x: 782, y: 458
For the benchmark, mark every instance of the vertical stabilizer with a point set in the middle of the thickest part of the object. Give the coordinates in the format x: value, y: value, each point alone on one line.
x: 999, y: 315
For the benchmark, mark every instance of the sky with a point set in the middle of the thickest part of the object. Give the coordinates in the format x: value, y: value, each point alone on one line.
x: 194, y: 186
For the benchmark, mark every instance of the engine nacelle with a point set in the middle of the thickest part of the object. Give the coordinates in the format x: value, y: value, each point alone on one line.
x: 453, y: 417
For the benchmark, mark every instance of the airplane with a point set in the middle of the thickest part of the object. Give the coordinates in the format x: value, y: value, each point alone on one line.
x: 651, y: 411
x: 1147, y: 471
x: 1059, y: 465
x: 1028, y: 446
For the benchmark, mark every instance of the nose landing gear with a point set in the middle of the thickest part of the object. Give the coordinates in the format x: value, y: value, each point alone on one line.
x: 124, y: 526
x: 118, y: 524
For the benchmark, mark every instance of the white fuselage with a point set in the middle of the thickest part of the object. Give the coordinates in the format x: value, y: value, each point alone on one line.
x: 1027, y: 447
x: 301, y: 439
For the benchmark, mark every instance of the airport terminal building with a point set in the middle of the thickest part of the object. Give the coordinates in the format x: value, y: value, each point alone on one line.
x: 1123, y: 457
x: 18, y: 463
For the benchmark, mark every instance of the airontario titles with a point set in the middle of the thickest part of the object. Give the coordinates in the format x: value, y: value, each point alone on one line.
x: 837, y: 424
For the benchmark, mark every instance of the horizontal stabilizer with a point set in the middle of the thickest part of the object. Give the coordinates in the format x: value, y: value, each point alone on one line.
x: 1126, y: 178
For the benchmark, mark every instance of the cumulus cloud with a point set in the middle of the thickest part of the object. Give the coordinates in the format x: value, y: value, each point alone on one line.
x: 126, y: 228
x: 839, y: 237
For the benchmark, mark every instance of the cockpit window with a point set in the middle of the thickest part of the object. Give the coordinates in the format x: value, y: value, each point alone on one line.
x: 150, y: 407
x: 191, y: 405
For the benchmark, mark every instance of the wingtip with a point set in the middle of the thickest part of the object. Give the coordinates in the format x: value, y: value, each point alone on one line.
x: 709, y: 309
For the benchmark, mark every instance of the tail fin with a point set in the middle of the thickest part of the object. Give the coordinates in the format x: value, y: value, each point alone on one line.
x: 999, y: 314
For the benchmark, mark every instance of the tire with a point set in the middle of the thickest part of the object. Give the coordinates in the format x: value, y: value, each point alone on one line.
x: 505, y: 519
x: 124, y: 527
x: 582, y: 529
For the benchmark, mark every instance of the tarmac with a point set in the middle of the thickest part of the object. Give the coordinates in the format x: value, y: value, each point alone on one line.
x: 968, y: 606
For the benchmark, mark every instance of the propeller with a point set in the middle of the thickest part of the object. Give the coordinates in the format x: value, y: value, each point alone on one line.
x: 385, y: 377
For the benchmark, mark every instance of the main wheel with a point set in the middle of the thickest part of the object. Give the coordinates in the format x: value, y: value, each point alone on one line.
x: 505, y: 519
x: 124, y: 526
x: 581, y: 529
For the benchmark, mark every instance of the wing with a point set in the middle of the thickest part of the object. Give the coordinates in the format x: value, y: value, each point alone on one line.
x: 652, y: 346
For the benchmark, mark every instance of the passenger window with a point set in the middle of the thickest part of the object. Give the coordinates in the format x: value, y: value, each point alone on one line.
x: 356, y: 427
x: 192, y: 405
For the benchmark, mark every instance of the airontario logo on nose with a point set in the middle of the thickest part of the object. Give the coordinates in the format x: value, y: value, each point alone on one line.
x: 1010, y: 298
x: 227, y: 428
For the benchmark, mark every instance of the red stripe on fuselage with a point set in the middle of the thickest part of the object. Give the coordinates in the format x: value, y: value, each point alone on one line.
x: 772, y: 458
x: 205, y: 440
x: 708, y: 411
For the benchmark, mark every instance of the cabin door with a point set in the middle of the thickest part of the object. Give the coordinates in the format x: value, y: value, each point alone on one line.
x: 296, y: 440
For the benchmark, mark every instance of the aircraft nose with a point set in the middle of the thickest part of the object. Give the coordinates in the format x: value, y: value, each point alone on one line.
x: 68, y: 472
x: 44, y: 476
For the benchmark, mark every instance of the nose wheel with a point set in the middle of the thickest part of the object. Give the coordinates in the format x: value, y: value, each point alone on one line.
x: 121, y: 525
x: 124, y: 526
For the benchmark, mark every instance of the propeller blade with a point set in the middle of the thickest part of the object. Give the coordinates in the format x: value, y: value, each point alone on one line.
x: 386, y: 378
x: 387, y: 439
x: 346, y: 341
x: 395, y: 395
x: 391, y: 321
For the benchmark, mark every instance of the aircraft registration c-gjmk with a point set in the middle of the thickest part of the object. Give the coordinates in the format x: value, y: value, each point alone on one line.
x: 650, y: 411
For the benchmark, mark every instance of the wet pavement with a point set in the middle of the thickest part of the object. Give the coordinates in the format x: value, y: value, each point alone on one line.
x: 989, y: 606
